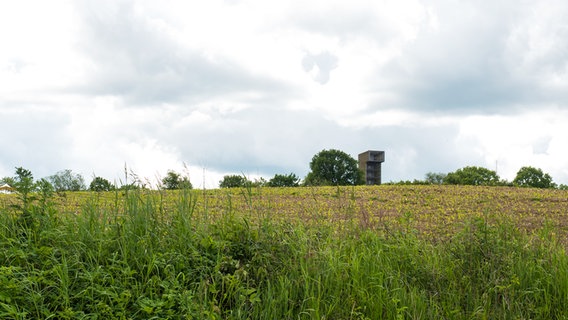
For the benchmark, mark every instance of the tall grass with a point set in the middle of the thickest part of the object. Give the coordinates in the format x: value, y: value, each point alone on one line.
x: 137, y: 258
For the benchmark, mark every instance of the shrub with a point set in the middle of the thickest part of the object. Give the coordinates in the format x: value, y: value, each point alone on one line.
x: 280, y: 180
x: 476, y: 176
x: 234, y: 181
x: 175, y: 181
x: 101, y: 184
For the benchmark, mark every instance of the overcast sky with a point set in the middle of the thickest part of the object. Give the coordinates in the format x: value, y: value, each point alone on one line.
x: 258, y: 87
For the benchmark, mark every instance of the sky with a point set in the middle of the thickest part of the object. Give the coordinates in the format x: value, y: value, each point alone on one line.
x: 257, y: 87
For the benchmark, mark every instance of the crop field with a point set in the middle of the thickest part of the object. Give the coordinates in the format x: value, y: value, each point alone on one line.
x: 434, y: 212
x: 365, y: 252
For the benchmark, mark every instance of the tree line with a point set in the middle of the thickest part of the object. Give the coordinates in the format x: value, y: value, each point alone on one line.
x: 327, y: 168
x: 67, y: 180
x: 479, y: 176
x: 334, y: 167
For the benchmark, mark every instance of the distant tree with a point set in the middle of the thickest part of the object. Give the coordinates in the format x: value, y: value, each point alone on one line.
x: 288, y: 180
x: 101, y: 184
x: 259, y: 182
x: 505, y: 183
x: 435, y: 177
x: 7, y: 180
x: 476, y: 176
x: 6, y: 184
x: 533, y: 177
x: 66, y: 180
x: 234, y: 181
x: 175, y: 181
x: 334, y: 167
x: 414, y: 182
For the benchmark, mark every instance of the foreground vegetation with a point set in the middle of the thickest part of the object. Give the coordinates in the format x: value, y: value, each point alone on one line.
x: 389, y: 252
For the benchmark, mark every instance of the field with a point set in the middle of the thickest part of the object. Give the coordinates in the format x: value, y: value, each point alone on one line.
x: 382, y: 252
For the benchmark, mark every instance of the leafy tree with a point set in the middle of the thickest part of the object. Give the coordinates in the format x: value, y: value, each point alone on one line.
x: 7, y: 180
x: 234, y: 181
x: 533, y: 177
x: 101, y: 184
x: 435, y: 178
x: 476, y: 176
x: 175, y: 181
x: 334, y: 167
x: 258, y: 183
x: 66, y: 180
x: 280, y: 180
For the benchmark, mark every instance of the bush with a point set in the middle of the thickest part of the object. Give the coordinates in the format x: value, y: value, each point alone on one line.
x: 280, y: 180
x: 101, y: 184
x: 234, y: 181
x: 475, y: 176
x: 175, y: 181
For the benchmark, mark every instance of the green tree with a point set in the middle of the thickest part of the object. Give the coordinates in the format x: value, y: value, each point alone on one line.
x: 476, y: 176
x: 533, y: 177
x: 435, y: 178
x: 7, y: 180
x: 101, y: 184
x: 334, y: 167
x: 259, y: 182
x: 66, y: 180
x: 175, y: 181
x: 234, y: 181
x: 281, y: 180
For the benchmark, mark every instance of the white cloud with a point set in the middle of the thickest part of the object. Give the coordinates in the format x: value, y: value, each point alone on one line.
x: 511, y: 142
x: 259, y: 87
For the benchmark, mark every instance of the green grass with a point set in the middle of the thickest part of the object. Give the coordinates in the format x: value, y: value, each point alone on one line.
x: 157, y: 255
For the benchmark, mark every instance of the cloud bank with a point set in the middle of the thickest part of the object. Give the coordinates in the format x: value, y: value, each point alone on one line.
x: 259, y: 87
